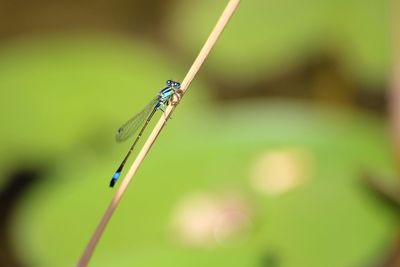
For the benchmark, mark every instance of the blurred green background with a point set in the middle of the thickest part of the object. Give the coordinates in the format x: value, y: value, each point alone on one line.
x: 265, y: 163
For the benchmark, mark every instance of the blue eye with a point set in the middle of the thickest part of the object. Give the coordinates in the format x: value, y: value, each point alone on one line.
x: 169, y: 82
x: 177, y: 85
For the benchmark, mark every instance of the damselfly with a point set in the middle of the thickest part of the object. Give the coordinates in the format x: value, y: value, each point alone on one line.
x: 161, y: 101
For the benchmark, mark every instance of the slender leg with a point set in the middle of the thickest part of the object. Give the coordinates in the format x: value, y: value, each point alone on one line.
x: 178, y: 95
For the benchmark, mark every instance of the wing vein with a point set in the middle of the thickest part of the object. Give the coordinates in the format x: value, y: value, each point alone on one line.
x: 133, y: 124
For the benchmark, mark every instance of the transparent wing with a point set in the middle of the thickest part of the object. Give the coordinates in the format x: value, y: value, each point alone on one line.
x: 133, y: 124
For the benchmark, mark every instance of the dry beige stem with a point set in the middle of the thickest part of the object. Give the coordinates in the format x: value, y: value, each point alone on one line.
x: 209, y: 44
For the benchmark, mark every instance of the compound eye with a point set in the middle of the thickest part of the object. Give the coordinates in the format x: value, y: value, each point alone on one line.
x: 169, y: 82
x: 177, y: 85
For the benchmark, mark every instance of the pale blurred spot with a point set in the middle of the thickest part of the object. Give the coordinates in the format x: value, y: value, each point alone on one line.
x: 279, y: 171
x: 209, y: 219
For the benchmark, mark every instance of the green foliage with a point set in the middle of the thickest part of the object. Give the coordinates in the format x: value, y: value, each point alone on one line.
x: 328, y: 216
x: 63, y: 97
x: 266, y: 37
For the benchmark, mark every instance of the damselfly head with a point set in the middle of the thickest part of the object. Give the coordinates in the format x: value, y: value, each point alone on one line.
x: 177, y: 85
x: 173, y: 84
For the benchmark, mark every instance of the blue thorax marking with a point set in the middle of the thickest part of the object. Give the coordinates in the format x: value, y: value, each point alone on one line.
x: 165, y: 94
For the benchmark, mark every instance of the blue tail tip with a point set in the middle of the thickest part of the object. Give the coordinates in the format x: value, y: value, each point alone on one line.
x: 114, y: 179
